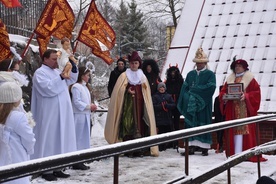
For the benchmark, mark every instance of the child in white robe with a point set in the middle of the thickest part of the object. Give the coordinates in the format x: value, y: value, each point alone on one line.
x: 82, y: 108
x: 16, y: 135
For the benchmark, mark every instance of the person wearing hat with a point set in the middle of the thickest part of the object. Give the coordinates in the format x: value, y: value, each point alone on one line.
x: 195, y: 102
x: 114, y: 75
x: 163, y: 105
x: 16, y: 135
x: 131, y: 113
x: 242, y: 137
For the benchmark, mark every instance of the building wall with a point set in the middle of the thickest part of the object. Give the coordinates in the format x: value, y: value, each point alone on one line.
x: 267, y: 131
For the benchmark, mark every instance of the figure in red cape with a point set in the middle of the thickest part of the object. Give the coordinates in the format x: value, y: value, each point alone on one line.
x: 242, y: 137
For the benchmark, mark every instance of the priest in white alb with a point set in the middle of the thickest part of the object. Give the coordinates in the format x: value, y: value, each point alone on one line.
x: 52, y: 111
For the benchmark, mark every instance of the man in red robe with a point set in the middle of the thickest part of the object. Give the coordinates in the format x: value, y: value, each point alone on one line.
x: 242, y: 137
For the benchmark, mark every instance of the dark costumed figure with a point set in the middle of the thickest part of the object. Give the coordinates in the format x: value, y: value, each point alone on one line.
x: 174, y: 83
x: 151, y: 71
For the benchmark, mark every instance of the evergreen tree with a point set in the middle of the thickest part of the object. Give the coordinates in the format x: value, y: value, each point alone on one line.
x: 107, y: 11
x: 136, y: 30
x: 121, y: 27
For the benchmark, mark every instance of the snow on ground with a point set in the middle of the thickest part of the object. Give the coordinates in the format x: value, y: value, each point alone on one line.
x: 155, y: 170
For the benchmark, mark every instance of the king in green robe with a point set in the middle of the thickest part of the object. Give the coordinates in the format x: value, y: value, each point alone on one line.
x: 195, y: 102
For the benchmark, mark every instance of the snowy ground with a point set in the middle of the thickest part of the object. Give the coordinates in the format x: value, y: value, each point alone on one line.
x: 155, y: 170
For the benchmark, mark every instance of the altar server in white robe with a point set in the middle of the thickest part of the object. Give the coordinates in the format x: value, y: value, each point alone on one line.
x: 82, y: 108
x: 52, y: 111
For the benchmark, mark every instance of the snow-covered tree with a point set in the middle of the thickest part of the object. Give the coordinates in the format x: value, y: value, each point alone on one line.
x: 157, y: 40
x: 121, y: 28
x: 137, y: 32
x: 107, y: 11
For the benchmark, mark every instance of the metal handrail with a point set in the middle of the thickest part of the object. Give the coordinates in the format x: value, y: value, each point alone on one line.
x: 230, y: 162
x: 37, y: 166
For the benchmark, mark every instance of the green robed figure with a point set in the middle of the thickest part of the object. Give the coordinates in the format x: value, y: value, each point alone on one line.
x: 195, y: 102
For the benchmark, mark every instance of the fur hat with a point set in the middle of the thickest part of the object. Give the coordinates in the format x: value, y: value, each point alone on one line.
x: 10, y: 92
x: 161, y: 84
x: 239, y: 61
x: 200, y: 56
x: 122, y: 60
x: 135, y: 57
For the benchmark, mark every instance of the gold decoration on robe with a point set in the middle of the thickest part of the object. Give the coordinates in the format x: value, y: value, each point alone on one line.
x: 240, y: 112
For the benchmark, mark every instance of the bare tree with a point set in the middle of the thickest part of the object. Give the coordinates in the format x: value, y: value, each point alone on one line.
x: 167, y: 9
x: 157, y: 39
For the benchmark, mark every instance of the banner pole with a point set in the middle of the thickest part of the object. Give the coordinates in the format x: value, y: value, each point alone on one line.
x: 26, y: 48
x: 75, y: 48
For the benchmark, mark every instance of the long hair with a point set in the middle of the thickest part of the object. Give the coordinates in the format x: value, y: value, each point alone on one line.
x: 6, y: 64
x: 83, y: 71
x: 153, y: 64
x: 5, y: 109
x: 177, y: 77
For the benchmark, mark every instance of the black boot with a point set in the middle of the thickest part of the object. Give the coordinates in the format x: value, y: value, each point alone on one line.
x: 60, y: 174
x: 220, y: 148
x: 49, y: 177
x: 80, y: 166
x: 204, y: 152
x: 191, y: 151
x: 175, y: 145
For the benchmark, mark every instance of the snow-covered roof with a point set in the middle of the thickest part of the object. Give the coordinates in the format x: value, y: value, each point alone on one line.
x: 225, y: 28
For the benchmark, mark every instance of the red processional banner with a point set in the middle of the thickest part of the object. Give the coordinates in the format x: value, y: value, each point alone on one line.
x: 57, y: 19
x: 4, y: 42
x: 11, y: 3
x: 97, y: 34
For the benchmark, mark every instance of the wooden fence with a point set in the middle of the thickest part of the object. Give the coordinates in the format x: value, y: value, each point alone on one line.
x: 22, y: 21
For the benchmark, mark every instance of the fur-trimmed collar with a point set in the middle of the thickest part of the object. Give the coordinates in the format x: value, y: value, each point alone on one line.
x: 246, y: 79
